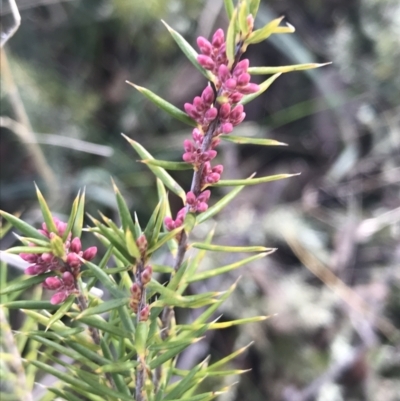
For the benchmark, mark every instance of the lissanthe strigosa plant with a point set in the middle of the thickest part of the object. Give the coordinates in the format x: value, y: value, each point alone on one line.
x: 121, y: 343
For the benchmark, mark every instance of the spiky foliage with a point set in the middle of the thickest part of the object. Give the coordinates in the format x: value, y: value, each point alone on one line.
x: 122, y: 343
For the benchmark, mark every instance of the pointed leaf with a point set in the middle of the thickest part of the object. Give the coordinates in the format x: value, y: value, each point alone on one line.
x: 163, y: 239
x: 123, y: 210
x: 189, y: 222
x: 168, y: 181
x: 149, y: 230
x: 118, y: 367
x: 225, y: 269
x: 72, y: 217
x: 188, y: 50
x: 103, y: 307
x: 28, y: 249
x: 164, y: 105
x: 253, y: 181
x: 253, y: 7
x: 47, y: 216
x: 165, y: 345
x: 80, y: 214
x: 25, y: 228
x: 224, y: 325
x: 131, y: 244
x: 105, y: 280
x: 263, y: 87
x: 242, y: 18
x: 245, y: 140
x: 160, y: 220
x: 231, y: 39
x: 223, y: 248
x: 24, y: 282
x: 229, y: 8
x: 61, y: 311
x: 30, y: 304
x: 228, y: 358
x: 160, y: 269
x: 168, y: 165
x: 216, y: 208
x: 284, y: 68
x: 271, y: 28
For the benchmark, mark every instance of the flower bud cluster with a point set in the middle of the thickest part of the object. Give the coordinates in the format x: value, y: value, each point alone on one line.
x: 137, y: 289
x: 65, y: 271
x: 216, y: 112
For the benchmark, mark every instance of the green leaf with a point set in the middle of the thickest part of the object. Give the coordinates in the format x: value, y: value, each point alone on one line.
x: 231, y: 39
x: 186, y: 383
x: 229, y: 7
x: 168, y: 181
x: 4, y: 229
x: 28, y: 249
x: 217, y: 207
x: 105, y: 280
x: 253, y: 7
x: 284, y: 68
x: 123, y: 210
x: 149, y: 230
x: 188, y: 50
x: 61, y: 311
x: 48, y: 218
x: 142, y: 330
x: 64, y: 394
x: 253, y: 181
x: 103, y: 307
x: 162, y: 269
x: 117, y: 367
x: 31, y: 304
x: 188, y: 301
x: 225, y: 269
x: 170, y: 344
x: 113, y: 226
x: 25, y: 228
x: 163, y: 239
x: 168, y: 165
x: 223, y: 248
x: 242, y: 18
x: 272, y: 28
x: 64, y: 350
x: 263, y: 87
x: 224, y: 325
x: 21, y: 283
x: 72, y: 217
x: 245, y: 140
x: 189, y: 222
x: 131, y: 244
x: 164, y: 105
x: 159, y: 221
x: 227, y: 359
x: 80, y: 214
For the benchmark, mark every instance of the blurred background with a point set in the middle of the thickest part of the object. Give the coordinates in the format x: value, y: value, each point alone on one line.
x: 333, y: 284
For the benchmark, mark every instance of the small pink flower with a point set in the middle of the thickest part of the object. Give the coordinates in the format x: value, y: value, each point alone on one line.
x: 218, y: 38
x: 208, y: 95
x: 89, y: 253
x: 73, y: 260
x: 59, y: 297
x: 52, y: 283
x: 250, y: 88
x: 204, y: 45
x: 206, y: 62
x: 75, y: 245
x: 146, y: 275
x: 29, y: 257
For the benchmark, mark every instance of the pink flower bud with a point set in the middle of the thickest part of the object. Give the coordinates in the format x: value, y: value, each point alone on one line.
x: 211, y: 114
x: 190, y: 198
x: 188, y: 157
x: 208, y: 95
x: 227, y: 128
x: 135, y: 290
x: 239, y: 119
x: 29, y: 257
x: 169, y: 223
x: 188, y: 145
x: 59, y: 297
x: 218, y: 38
x: 76, y: 245
x: 206, y: 62
x: 44, y: 227
x: 36, y: 269
x: 47, y: 257
x: 241, y: 67
x: 144, y: 314
x: 212, y: 178
x: 61, y: 227
x: 208, y: 155
x: 197, y: 137
x: 191, y: 111
x: 224, y: 111
x: 236, y: 97
x: 89, y: 253
x: 73, y: 260
x: 199, y: 104
x: 219, y: 168
x: 202, y: 207
x: 243, y: 79
x: 223, y: 73
x: 44, y: 232
x: 230, y: 84
x: 181, y: 214
x: 142, y: 243
x: 68, y: 280
x: 52, y: 283
x: 204, y: 196
x: 146, y: 275
x: 250, y: 88
x: 204, y: 45
x: 236, y: 112
x: 215, y: 142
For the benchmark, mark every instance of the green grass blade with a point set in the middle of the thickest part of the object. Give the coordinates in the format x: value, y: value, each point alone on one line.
x: 253, y: 181
x: 284, y: 68
x: 245, y: 140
